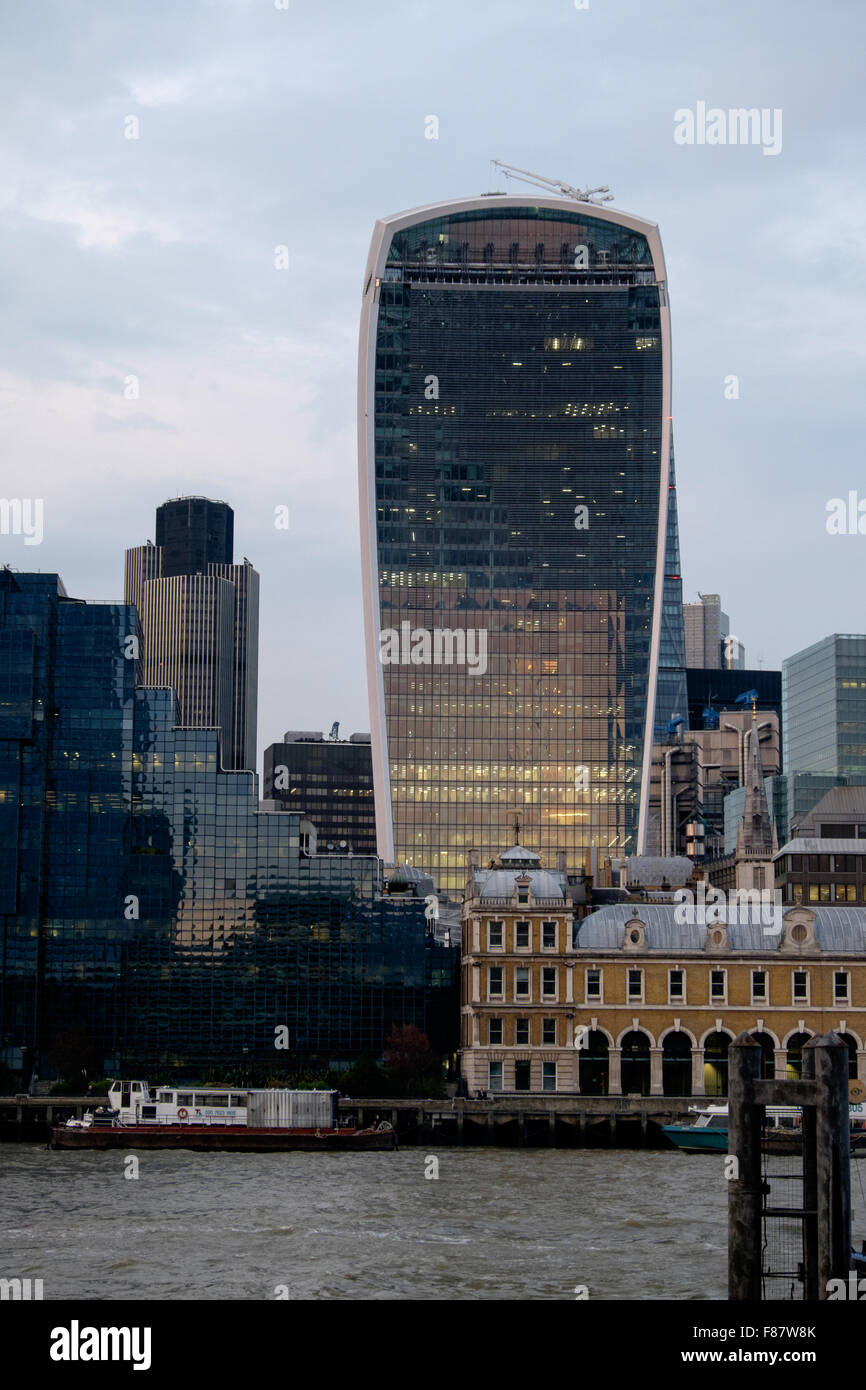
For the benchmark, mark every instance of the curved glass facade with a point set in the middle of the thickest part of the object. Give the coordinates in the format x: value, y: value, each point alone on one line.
x: 511, y: 469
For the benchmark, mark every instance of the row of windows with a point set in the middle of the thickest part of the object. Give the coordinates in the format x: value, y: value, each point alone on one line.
x: 760, y: 986
x: 826, y: 893
x: 522, y: 1076
x: 521, y: 935
x: 825, y: 863
x: 522, y: 982
x: 522, y: 1036
x: 676, y: 985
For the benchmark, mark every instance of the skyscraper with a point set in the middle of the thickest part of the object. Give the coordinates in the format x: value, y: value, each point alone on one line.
x: 200, y: 621
x: 706, y: 628
x: 67, y: 691
x: 522, y: 588
x: 194, y: 533
x: 824, y: 707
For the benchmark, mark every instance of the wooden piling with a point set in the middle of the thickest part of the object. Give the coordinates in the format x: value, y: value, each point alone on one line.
x: 744, y: 1189
x: 833, y: 1161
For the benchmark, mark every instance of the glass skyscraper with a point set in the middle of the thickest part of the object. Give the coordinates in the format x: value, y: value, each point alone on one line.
x: 824, y: 707
x: 150, y: 914
x: 67, y: 688
x: 522, y: 590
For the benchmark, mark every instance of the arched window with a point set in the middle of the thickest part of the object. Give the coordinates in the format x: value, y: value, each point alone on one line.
x: 796, y: 1043
x: 593, y: 1065
x: 851, y: 1045
x: 768, y: 1055
x: 716, y: 1064
x: 677, y: 1065
x: 635, y: 1048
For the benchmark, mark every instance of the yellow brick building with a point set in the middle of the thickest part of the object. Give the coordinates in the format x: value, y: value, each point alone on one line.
x: 631, y: 1001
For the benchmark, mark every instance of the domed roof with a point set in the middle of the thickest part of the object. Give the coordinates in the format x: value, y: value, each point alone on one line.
x: 499, y: 883
x: 519, y: 853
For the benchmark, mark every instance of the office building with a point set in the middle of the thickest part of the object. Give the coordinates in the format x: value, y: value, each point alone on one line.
x: 150, y: 911
x: 194, y: 533
x: 825, y: 860
x: 693, y: 771
x: 522, y: 589
x: 711, y: 691
x: 67, y: 689
x: 704, y: 626
x: 824, y: 707
x: 709, y: 642
x: 328, y: 780
x: 199, y: 617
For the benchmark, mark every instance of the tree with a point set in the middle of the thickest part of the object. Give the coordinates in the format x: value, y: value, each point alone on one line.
x: 363, y: 1078
x: 409, y: 1059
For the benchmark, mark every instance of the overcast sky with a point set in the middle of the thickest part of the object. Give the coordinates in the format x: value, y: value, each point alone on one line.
x: 261, y: 127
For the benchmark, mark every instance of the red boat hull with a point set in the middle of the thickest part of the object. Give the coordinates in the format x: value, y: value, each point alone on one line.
x: 233, y: 1138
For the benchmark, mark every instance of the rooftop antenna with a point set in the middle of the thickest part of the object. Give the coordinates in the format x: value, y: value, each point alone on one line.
x: 565, y: 190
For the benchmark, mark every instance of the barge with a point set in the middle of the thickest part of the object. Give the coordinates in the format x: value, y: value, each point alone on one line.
x: 217, y: 1119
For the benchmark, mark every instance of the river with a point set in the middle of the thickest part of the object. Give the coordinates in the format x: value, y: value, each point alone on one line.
x: 495, y: 1224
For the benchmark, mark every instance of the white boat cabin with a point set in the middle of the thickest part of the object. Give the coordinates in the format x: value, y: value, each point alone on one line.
x: 777, y: 1117
x: 177, y: 1105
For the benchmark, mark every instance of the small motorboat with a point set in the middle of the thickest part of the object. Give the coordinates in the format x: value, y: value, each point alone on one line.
x: 783, y: 1130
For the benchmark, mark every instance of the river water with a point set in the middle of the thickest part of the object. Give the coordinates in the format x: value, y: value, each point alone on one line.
x: 495, y: 1224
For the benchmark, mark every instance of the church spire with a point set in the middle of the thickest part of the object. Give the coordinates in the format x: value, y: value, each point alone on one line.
x: 756, y: 835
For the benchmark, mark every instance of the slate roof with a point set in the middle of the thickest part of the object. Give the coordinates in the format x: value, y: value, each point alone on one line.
x: 656, y: 869
x: 838, y: 801
x: 499, y: 883
x: 837, y: 929
x: 810, y: 846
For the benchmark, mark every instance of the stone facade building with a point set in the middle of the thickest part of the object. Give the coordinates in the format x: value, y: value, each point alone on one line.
x: 632, y: 999
x: 517, y: 1025
x: 662, y: 1000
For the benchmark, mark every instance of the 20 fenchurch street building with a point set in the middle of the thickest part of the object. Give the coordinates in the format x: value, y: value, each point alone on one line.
x: 521, y: 558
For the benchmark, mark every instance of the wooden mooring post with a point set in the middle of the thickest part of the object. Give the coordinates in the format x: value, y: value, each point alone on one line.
x: 825, y: 1210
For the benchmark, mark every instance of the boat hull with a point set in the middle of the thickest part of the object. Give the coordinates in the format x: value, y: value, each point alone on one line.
x: 692, y: 1140
x: 697, y: 1141
x: 223, y: 1139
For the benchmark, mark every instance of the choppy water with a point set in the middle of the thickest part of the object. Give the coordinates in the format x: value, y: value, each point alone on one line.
x: 497, y: 1224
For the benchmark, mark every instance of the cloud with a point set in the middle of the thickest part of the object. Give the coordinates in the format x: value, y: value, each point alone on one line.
x: 117, y: 423
x: 99, y: 218
x: 260, y: 127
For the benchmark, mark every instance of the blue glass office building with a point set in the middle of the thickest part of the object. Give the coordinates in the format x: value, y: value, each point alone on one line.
x: 66, y: 710
x: 517, y: 494
x: 148, y: 908
x: 824, y: 706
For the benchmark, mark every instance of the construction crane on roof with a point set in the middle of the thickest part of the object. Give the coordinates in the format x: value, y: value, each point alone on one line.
x: 580, y: 195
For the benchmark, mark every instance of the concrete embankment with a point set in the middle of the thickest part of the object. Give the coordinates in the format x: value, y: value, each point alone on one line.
x: 531, y: 1121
